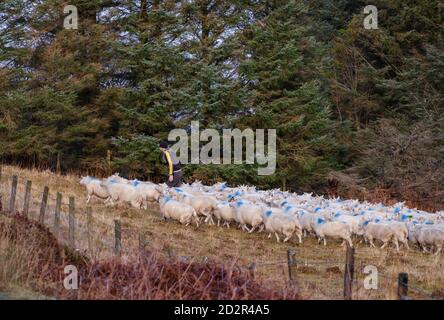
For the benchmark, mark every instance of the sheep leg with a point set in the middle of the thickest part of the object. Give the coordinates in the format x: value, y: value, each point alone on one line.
x: 350, y: 242
x: 88, y: 197
x: 269, y: 236
x: 261, y: 228
x: 384, y: 245
x: 438, y: 250
x: 325, y: 242
x: 136, y: 204
x: 277, y: 237
x: 406, y: 243
x: 396, y: 244
x: 300, y: 238
x: 287, y: 238
x: 111, y: 202
x: 252, y: 229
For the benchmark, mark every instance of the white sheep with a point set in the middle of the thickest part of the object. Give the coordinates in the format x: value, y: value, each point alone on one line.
x: 179, y: 211
x: 401, y: 233
x: 278, y: 222
x: 93, y: 188
x: 204, y: 205
x: 123, y: 192
x: 248, y: 214
x: 380, y: 231
x: 354, y: 222
x: 333, y: 229
x: 308, y: 220
x: 149, y: 191
x: 225, y: 212
x: 428, y: 235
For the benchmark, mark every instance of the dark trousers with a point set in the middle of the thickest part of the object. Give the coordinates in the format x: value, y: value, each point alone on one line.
x: 177, y: 179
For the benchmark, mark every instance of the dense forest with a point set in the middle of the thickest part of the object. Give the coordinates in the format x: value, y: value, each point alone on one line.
x: 357, y: 111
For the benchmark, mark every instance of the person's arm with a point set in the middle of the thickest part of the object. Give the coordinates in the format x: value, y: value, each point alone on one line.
x: 170, y: 163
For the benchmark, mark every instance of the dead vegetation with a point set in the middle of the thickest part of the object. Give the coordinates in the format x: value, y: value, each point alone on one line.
x: 32, y: 258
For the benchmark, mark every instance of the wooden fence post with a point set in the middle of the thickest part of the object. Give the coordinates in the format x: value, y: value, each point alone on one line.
x: 291, y: 261
x: 43, y: 205
x: 57, y: 214
x: 27, y: 198
x: 71, y: 222
x: 1, y: 189
x: 403, y: 286
x: 89, y: 227
x: 13, y: 194
x: 349, y: 272
x: 58, y: 165
x: 117, y: 237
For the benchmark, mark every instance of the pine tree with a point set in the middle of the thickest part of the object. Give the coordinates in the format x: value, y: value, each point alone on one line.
x: 284, y: 68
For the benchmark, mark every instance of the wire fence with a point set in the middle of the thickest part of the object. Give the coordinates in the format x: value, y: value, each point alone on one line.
x: 98, y: 239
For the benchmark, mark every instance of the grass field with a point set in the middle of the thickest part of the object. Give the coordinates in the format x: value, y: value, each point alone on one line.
x: 319, y: 277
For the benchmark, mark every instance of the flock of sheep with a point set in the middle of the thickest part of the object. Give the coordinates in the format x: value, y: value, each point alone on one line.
x: 278, y: 213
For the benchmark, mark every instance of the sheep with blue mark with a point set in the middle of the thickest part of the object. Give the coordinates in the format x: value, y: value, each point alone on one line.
x: 248, y: 214
x: 332, y: 229
x: 277, y: 222
x: 150, y: 192
x: 224, y: 212
x: 204, y: 205
x: 379, y: 231
x: 306, y: 208
x: 123, y: 193
x: 354, y: 222
x: 117, y: 178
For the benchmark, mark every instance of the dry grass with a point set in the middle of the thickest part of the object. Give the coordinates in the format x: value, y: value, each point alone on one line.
x: 31, y: 258
x: 314, y: 281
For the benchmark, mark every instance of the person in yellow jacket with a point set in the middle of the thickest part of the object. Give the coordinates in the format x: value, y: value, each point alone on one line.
x: 174, y: 166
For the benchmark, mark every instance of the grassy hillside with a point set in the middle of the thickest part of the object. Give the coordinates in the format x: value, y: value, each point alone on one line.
x: 320, y: 277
